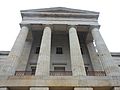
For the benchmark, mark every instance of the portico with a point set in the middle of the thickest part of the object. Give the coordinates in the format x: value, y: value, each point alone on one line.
x: 74, y: 54
x: 59, y: 48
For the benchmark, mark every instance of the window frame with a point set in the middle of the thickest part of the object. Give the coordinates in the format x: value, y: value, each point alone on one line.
x: 59, y: 50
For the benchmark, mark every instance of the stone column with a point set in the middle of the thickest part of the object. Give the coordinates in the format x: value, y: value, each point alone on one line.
x: 39, y: 88
x: 24, y: 57
x: 83, y: 88
x: 23, y: 60
x: 15, y: 53
x: 43, y: 64
x: 95, y: 60
x: 77, y: 62
x: 108, y: 64
x: 116, y: 88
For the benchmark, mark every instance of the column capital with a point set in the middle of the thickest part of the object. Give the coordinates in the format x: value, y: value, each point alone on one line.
x: 94, y: 26
x: 25, y: 25
x: 48, y: 25
x: 72, y: 26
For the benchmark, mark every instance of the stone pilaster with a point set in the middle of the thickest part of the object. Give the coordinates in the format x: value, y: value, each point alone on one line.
x: 83, y: 88
x: 39, y: 88
x: 108, y: 64
x: 77, y: 62
x: 43, y: 64
x: 16, y: 51
x: 95, y: 60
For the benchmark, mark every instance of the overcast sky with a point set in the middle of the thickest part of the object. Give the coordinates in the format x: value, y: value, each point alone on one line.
x: 109, y: 18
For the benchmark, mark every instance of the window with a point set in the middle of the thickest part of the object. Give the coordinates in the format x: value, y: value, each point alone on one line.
x: 59, y: 68
x: 33, y: 70
x: 37, y: 50
x: 82, y: 50
x: 86, y: 69
x: 59, y: 50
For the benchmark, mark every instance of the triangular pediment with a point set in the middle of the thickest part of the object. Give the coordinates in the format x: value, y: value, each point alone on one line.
x: 59, y: 15
x: 60, y: 10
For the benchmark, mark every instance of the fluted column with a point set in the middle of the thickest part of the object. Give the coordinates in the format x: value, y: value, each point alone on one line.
x: 95, y: 60
x: 23, y: 60
x: 16, y: 51
x: 43, y: 64
x: 108, y: 64
x: 77, y: 63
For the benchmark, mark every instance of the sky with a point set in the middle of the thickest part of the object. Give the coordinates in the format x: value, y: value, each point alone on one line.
x: 109, y: 18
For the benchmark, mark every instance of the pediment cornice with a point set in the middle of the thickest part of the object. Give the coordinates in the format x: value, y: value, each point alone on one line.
x: 59, y: 12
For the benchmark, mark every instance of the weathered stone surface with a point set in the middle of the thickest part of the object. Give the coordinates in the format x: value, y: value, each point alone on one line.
x: 43, y: 64
x: 77, y: 63
x: 60, y: 20
x: 95, y: 60
x: 63, y: 81
x: 23, y: 60
x: 16, y: 51
x: 109, y: 66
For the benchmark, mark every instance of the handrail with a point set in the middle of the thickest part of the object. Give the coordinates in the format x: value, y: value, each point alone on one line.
x: 60, y: 73
x: 21, y: 73
x: 96, y: 73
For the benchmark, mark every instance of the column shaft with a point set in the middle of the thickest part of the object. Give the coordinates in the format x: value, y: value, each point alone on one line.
x: 24, y: 56
x: 77, y: 63
x: 16, y: 51
x: 43, y: 64
x: 108, y: 64
x: 95, y: 60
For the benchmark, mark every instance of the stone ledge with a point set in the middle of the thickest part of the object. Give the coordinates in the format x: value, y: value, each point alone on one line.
x: 84, y: 81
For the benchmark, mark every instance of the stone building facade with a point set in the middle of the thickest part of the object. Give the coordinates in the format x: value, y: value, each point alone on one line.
x: 59, y: 49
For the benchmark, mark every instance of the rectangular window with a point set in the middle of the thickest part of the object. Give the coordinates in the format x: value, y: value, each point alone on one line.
x: 86, y: 69
x: 59, y: 50
x: 37, y: 50
x: 59, y: 68
x: 82, y: 51
x: 33, y: 70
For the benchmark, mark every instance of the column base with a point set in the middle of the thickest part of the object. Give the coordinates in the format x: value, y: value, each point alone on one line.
x: 83, y: 88
x: 39, y: 88
x: 3, y: 88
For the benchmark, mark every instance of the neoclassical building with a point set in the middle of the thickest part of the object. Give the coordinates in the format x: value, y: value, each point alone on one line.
x: 59, y: 49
